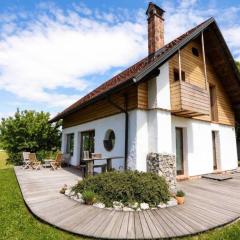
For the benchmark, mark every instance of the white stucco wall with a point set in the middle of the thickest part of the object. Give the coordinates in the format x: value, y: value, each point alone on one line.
x: 159, y: 120
x: 198, y: 150
x: 142, y: 140
x: 116, y: 123
x: 163, y: 88
x: 138, y: 139
x: 132, y: 139
x: 159, y: 89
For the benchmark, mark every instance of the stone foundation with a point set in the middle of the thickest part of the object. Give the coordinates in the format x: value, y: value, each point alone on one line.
x: 164, y: 165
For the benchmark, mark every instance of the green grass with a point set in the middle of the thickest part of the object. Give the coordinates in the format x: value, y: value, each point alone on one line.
x: 17, y: 223
x: 3, y: 158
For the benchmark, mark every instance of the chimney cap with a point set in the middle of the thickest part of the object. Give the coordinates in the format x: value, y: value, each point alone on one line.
x: 154, y: 9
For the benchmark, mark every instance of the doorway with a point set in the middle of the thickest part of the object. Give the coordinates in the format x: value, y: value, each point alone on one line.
x: 215, y: 147
x: 179, y: 151
x: 87, y: 143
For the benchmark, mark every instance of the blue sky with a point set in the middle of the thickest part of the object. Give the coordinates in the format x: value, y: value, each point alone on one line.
x: 54, y: 52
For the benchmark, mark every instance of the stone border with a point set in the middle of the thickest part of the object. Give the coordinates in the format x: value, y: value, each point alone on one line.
x: 118, y: 206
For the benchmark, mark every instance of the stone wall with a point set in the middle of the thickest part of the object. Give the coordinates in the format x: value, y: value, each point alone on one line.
x: 164, y: 165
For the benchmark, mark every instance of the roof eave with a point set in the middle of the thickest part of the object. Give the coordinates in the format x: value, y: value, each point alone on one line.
x: 125, y: 84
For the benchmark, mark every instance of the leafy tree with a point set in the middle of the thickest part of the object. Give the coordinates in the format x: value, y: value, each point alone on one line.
x: 28, y: 131
x: 238, y: 65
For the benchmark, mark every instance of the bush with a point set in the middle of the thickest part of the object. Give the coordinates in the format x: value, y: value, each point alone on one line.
x: 89, y: 197
x: 126, y: 187
x: 180, y: 193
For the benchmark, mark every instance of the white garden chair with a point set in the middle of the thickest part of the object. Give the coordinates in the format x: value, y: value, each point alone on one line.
x: 26, y: 161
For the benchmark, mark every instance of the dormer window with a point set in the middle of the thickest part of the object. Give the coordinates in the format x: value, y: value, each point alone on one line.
x: 195, y: 52
x: 176, y: 75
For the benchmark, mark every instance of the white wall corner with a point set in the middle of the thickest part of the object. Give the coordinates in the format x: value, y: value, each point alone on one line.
x: 152, y: 93
x: 163, y: 87
x: 164, y: 132
x: 132, y: 140
x: 142, y: 140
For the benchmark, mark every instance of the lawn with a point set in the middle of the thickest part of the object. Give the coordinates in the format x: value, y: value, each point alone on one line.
x: 17, y: 223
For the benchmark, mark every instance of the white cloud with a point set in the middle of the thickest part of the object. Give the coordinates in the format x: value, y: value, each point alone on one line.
x: 187, y: 14
x: 6, y: 114
x: 61, y: 48
x: 61, y: 51
x: 233, y: 38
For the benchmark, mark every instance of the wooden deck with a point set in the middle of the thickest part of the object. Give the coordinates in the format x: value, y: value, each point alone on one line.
x: 209, y: 204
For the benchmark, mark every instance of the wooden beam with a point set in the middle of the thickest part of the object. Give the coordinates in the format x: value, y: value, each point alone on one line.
x: 204, y: 63
x: 180, y: 65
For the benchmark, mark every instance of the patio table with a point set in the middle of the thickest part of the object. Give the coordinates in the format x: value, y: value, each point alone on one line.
x: 90, y: 161
x: 47, y: 162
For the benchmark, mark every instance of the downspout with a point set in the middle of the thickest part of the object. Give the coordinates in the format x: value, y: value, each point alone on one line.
x: 124, y: 110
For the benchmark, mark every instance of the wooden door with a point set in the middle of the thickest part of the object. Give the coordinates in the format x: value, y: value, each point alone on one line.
x: 179, y: 151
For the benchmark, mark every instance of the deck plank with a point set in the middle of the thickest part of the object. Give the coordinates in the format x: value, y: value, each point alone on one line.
x: 131, y: 226
x: 138, y: 227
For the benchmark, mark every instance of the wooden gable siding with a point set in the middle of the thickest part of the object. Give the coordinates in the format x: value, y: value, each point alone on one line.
x: 194, y: 74
x: 137, y: 98
x: 142, y: 95
x: 224, y: 108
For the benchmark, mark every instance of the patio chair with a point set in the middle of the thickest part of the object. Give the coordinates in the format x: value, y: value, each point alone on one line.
x: 86, y: 155
x: 26, y: 161
x: 34, y: 163
x: 57, y: 162
x: 98, y: 156
x: 83, y: 166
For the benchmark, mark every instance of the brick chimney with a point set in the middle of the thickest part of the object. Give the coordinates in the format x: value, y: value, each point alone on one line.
x: 155, y: 27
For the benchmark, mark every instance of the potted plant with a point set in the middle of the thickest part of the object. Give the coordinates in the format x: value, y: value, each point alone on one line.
x: 89, y: 197
x: 180, y: 197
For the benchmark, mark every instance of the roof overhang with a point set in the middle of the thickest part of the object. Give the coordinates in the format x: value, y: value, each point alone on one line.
x: 209, y: 28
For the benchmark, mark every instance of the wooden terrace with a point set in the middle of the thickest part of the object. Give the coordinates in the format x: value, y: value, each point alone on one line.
x: 209, y: 204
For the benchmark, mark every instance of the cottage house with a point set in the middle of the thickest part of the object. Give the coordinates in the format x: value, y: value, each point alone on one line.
x: 182, y: 99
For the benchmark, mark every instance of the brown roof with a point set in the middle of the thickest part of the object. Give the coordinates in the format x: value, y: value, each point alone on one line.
x: 129, y: 73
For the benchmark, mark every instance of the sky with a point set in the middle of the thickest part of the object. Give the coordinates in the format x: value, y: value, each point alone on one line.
x: 54, y: 52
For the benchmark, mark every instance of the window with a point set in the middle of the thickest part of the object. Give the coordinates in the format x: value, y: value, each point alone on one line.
x: 109, y: 140
x: 70, y: 143
x: 195, y: 52
x: 176, y: 75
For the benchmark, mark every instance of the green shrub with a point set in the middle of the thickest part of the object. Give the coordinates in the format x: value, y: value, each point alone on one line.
x: 126, y: 187
x: 89, y: 197
x: 28, y: 131
x: 180, y: 193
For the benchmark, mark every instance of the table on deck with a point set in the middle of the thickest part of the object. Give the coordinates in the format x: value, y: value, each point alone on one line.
x: 90, y: 165
x: 47, y: 162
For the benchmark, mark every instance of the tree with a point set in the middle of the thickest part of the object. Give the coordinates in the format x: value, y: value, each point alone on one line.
x: 238, y: 65
x: 28, y: 131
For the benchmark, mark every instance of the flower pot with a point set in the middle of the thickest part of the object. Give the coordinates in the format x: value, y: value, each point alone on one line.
x: 180, y: 200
